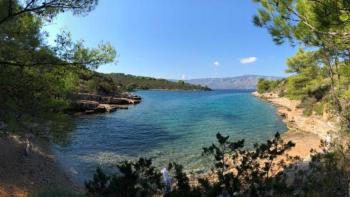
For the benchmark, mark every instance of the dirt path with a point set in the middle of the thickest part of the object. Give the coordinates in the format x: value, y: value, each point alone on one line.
x: 21, y: 174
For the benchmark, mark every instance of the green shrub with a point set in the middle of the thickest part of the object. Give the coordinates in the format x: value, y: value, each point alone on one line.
x: 263, y: 86
x: 135, y: 179
x: 56, y: 192
x: 307, y: 104
x: 254, y: 177
x: 238, y: 172
x: 319, y: 108
x: 295, y: 87
x: 319, y: 91
x: 345, y: 120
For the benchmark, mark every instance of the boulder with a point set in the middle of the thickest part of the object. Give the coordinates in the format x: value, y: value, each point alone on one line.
x: 102, y: 108
x: 133, y: 101
x: 92, y: 103
x: 90, y: 112
x: 115, y: 107
x: 120, y: 101
x: 283, y: 115
x: 130, y: 96
x: 106, y: 99
x: 89, y: 97
x: 84, y: 105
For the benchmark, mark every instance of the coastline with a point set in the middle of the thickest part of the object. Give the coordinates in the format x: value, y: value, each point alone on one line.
x: 194, y: 90
x: 20, y: 174
x: 305, y: 131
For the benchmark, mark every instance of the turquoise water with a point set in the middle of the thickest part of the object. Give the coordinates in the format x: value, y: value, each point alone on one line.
x: 167, y: 126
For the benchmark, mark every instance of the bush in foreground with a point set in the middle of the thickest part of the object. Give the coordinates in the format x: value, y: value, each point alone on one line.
x: 265, y: 170
x: 236, y: 171
x: 56, y: 192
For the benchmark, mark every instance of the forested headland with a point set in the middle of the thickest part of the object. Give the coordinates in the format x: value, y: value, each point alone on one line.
x: 119, y: 82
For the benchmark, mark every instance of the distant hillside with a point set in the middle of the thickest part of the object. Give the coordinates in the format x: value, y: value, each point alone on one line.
x: 239, y: 82
x: 101, y: 83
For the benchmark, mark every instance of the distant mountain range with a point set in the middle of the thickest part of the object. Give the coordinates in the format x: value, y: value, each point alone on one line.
x: 239, y: 82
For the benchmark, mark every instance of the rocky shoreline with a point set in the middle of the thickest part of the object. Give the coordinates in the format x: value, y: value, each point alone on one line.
x: 305, y: 131
x: 85, y: 103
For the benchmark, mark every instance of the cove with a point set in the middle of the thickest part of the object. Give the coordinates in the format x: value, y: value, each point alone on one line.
x: 166, y: 126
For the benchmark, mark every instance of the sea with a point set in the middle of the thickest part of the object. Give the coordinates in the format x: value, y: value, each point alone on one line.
x: 167, y: 126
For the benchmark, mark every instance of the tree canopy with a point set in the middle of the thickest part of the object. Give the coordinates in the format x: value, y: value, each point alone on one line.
x: 321, y: 30
x: 36, y: 79
x: 46, y: 9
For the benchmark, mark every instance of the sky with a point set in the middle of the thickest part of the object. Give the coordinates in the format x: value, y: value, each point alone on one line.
x: 179, y: 39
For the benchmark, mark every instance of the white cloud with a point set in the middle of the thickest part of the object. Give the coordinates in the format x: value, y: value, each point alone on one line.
x: 248, y: 60
x: 216, y: 64
x: 183, y: 77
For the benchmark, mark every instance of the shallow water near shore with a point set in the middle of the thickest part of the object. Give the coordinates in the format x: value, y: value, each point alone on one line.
x: 166, y: 126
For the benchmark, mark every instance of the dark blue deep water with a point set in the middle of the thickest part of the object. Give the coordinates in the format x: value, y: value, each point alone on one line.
x: 167, y: 126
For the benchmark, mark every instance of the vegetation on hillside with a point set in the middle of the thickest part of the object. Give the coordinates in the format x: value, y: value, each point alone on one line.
x: 130, y: 82
x: 320, y: 68
x: 264, y: 85
x: 319, y: 75
x: 100, y: 83
x: 37, y: 80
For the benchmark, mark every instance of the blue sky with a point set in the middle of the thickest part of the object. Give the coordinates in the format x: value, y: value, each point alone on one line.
x: 178, y: 39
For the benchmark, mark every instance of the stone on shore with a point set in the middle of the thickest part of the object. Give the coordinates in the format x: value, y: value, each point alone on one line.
x: 102, y: 108
x: 83, y: 105
x: 120, y: 101
x: 92, y: 103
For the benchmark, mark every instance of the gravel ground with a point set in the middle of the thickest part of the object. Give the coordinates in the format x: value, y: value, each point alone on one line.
x: 21, y: 174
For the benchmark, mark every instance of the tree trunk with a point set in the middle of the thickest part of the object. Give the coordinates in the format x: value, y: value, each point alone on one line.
x: 327, y: 61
